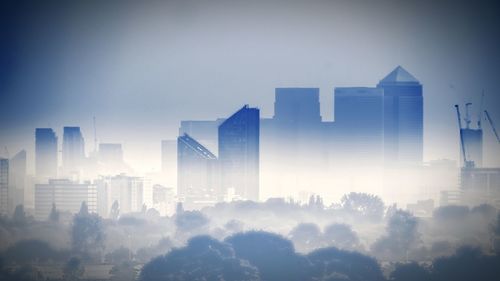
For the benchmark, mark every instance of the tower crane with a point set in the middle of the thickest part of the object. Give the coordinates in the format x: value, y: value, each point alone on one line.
x: 467, y: 118
x: 467, y: 163
x: 492, y: 125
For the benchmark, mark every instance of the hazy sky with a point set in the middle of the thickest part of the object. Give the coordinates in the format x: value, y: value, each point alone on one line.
x: 141, y: 67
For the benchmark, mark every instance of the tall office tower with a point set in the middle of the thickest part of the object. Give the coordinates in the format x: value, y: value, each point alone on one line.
x: 73, y: 152
x: 297, y: 109
x: 196, y: 170
x: 17, y: 179
x: 403, y: 117
x: 66, y: 195
x: 359, y: 125
x: 239, y: 153
x: 169, y: 162
x: 4, y: 186
x: 45, y: 153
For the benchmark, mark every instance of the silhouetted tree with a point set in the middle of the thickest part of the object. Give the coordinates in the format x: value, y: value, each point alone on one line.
x: 73, y: 270
x: 54, y: 213
x: 363, y: 205
x: 401, y: 235
x: 124, y: 271
x: 410, y: 272
x: 306, y: 236
x: 202, y: 259
x: 19, y: 216
x: 273, y: 255
x: 341, y: 236
x: 114, y: 213
x: 87, y: 232
x: 335, y: 264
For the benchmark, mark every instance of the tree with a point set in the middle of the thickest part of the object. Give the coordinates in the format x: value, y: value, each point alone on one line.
x: 402, y: 235
x: 114, y: 213
x: 363, y: 205
x: 54, y: 213
x: 273, y: 255
x: 19, y: 216
x: 341, y: 236
x: 305, y: 236
x: 204, y: 258
x: 335, y: 264
x: 73, y: 270
x: 87, y: 232
x: 124, y: 271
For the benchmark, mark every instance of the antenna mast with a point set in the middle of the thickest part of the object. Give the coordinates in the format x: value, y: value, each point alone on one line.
x: 95, y: 136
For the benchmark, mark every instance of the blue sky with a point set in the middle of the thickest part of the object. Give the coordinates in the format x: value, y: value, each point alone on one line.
x: 140, y: 68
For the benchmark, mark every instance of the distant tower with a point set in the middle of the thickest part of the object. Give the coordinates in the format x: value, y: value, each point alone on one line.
x: 73, y: 152
x: 297, y: 110
x: 45, y: 153
x: 359, y: 125
x: 403, y: 117
x: 17, y: 178
x: 4, y: 186
x: 239, y: 153
x: 196, y: 169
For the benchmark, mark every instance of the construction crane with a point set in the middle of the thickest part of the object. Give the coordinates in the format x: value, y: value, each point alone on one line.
x: 467, y: 163
x: 492, y: 125
x: 467, y: 118
x: 480, y: 114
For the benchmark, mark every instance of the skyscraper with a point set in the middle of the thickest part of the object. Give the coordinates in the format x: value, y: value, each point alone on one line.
x: 239, y: 153
x: 4, y: 186
x: 169, y: 162
x: 359, y: 125
x: 403, y: 117
x: 17, y: 179
x: 296, y: 109
x: 197, y: 171
x: 45, y: 153
x: 73, y: 152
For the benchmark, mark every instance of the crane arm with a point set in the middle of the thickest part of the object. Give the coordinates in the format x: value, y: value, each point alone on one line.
x: 462, y: 145
x: 492, y: 125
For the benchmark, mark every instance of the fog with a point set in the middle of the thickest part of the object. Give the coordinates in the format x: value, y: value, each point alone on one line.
x: 360, y: 229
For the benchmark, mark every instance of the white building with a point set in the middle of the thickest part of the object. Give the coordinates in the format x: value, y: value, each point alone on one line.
x: 66, y: 195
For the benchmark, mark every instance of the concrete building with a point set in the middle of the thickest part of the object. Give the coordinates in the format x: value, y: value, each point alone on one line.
x: 66, y: 195
x: 131, y: 193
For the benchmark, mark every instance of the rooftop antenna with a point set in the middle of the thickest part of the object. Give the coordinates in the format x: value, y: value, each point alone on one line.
x: 467, y: 115
x: 480, y: 114
x: 95, y: 136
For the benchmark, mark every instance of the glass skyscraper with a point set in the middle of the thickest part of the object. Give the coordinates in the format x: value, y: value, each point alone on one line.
x: 73, y: 152
x: 403, y: 117
x: 239, y: 153
x: 45, y: 153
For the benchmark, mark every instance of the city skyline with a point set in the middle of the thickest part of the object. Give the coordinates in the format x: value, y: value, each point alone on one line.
x: 140, y: 93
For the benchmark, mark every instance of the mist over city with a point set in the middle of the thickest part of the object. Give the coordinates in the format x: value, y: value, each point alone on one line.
x: 249, y: 140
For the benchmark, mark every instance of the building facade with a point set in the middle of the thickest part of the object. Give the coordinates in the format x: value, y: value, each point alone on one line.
x: 239, y: 153
x: 66, y: 195
x: 45, y: 153
x: 403, y: 117
x: 197, y: 170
